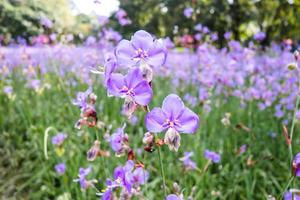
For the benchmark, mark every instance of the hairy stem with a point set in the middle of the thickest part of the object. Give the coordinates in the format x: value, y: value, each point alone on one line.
x: 162, y: 171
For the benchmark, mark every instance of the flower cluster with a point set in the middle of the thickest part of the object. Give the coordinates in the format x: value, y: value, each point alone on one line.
x: 128, y: 178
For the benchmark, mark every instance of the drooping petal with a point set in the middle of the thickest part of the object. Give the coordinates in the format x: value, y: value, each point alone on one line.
x: 109, y: 68
x: 157, y: 55
x: 172, y: 106
x: 142, y: 93
x: 133, y: 78
x: 115, y: 84
x: 154, y: 120
x: 124, y: 53
x: 142, y: 39
x: 188, y: 122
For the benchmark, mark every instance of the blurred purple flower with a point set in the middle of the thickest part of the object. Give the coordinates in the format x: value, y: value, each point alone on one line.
x: 8, y: 90
x: 210, y: 155
x: 60, y: 168
x: 103, y: 20
x: 119, y: 140
x: 58, y: 139
x: 187, y: 162
x: 83, y: 172
x: 82, y: 99
x: 227, y: 35
x: 188, y: 12
x: 290, y: 196
x: 174, y: 117
x: 260, y: 36
x: 46, y: 22
x: 296, y: 165
x: 198, y: 27
x: 173, y: 197
x: 242, y: 149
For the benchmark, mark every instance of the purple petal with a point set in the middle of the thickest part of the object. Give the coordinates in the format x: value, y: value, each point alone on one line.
x: 125, y: 52
x: 172, y: 106
x: 189, y: 122
x: 133, y: 78
x: 172, y: 197
x: 119, y: 173
x: 155, y: 120
x: 157, y: 55
x: 142, y: 93
x: 115, y: 84
x: 109, y: 68
x: 129, y: 166
x: 142, y: 39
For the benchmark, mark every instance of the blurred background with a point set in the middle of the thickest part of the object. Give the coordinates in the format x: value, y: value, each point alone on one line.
x: 276, y: 20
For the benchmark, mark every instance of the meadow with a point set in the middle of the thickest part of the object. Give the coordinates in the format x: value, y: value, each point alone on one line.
x: 244, y: 96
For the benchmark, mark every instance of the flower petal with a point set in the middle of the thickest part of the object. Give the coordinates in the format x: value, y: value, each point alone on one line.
x: 172, y: 106
x: 115, y: 84
x: 142, y: 39
x: 124, y: 53
x: 157, y: 55
x: 154, y: 120
x: 142, y: 93
x: 189, y: 122
x: 133, y: 78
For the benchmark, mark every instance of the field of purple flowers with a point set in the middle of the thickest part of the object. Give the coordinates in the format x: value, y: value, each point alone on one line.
x: 139, y: 118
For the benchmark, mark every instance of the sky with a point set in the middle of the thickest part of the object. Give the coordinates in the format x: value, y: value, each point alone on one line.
x: 99, y: 7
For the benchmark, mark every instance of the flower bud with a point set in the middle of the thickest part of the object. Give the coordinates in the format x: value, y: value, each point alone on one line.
x: 94, y: 151
x: 148, y: 138
x: 172, y: 139
x: 129, y: 107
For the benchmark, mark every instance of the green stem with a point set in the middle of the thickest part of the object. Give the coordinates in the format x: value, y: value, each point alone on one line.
x: 162, y: 171
x: 286, y: 187
x: 46, y: 139
x: 293, y: 123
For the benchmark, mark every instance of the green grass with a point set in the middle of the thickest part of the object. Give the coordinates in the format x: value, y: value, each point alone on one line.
x: 26, y: 174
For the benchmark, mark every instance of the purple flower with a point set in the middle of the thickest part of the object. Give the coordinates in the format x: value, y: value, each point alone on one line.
x: 173, y: 197
x: 129, y: 176
x: 119, y: 140
x: 210, y: 155
x: 132, y: 87
x: 173, y: 117
x: 60, y: 168
x: 227, y: 35
x: 188, y: 12
x: 260, y: 36
x: 103, y: 20
x: 242, y: 149
x: 296, y: 165
x: 142, y: 48
x: 59, y: 139
x: 8, y: 90
x: 83, y: 172
x: 187, y: 162
x: 298, y: 114
x: 82, y: 98
x: 46, y: 22
x: 122, y: 17
x: 290, y: 196
x: 198, y: 27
